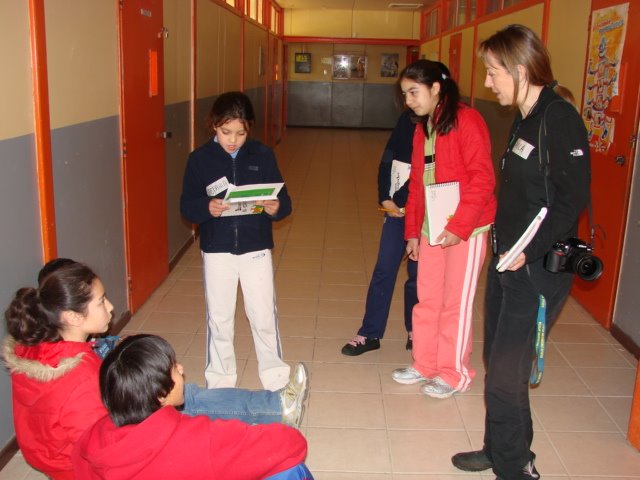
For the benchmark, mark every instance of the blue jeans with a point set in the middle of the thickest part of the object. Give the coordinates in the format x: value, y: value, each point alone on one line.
x: 249, y: 406
x: 383, y: 281
x: 299, y: 472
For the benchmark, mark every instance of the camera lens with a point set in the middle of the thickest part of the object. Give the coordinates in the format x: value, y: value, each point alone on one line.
x: 588, y: 268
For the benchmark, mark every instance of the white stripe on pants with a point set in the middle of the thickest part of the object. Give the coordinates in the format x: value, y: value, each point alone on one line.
x: 255, y: 272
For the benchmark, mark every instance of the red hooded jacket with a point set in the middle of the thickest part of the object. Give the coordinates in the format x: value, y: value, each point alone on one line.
x: 56, y: 397
x: 168, y: 444
x: 462, y: 155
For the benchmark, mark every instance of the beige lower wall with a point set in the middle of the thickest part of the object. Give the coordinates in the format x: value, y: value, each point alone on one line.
x: 345, y: 23
x: 82, y: 60
x: 567, y: 42
x: 16, y: 84
x: 177, y: 51
x: 255, y: 56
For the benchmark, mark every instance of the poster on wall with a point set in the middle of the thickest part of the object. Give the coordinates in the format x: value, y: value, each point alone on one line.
x: 302, y: 62
x: 346, y: 67
x: 389, y: 65
x: 607, y: 36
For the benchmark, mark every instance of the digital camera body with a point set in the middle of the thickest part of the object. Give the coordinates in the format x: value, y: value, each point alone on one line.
x: 574, y: 256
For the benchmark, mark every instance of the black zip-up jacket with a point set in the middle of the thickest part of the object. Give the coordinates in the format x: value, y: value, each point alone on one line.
x: 399, y: 147
x: 521, y: 183
x: 255, y: 163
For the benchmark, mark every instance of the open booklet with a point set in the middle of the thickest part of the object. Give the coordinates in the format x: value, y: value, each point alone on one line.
x: 242, y: 199
x: 522, y: 242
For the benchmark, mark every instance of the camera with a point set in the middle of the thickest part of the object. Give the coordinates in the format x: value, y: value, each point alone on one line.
x: 574, y: 256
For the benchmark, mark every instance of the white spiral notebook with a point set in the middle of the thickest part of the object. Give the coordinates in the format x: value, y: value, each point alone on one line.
x: 522, y: 242
x: 441, y: 201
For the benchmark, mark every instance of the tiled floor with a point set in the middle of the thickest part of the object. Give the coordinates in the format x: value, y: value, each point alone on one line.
x: 359, y: 423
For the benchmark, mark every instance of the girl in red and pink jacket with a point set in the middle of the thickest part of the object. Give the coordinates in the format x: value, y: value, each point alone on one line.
x: 450, y: 144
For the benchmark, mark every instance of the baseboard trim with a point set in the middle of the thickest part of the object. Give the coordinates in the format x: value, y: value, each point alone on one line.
x: 176, y: 258
x: 625, y: 340
x: 119, y: 325
x: 7, y: 453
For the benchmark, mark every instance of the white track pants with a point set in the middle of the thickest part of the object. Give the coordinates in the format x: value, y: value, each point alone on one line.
x: 255, y: 272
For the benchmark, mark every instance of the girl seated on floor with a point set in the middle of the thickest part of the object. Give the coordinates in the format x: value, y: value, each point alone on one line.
x: 54, y: 370
x: 145, y: 437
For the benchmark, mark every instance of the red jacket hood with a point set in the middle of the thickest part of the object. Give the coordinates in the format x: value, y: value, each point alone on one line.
x: 123, y: 452
x: 41, y: 364
x: 169, y: 444
x: 55, y: 399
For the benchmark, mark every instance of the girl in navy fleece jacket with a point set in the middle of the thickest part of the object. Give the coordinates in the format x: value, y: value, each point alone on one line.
x: 236, y: 247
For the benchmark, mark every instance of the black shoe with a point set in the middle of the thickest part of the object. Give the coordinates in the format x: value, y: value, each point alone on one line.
x: 409, y: 344
x: 475, y: 461
x: 357, y: 347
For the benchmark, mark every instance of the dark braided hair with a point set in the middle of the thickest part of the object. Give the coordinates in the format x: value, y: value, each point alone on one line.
x: 34, y: 314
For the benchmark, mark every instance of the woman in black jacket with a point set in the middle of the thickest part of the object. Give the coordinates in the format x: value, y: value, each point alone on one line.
x: 519, y: 73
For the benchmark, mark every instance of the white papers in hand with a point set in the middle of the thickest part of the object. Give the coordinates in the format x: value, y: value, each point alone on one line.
x: 399, y: 175
x: 522, y: 242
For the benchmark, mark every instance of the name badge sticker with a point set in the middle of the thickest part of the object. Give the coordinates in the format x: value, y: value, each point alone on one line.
x: 218, y: 186
x: 522, y: 149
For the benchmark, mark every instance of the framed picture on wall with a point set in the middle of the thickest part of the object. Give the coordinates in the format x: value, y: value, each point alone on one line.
x: 349, y: 67
x: 302, y: 62
x: 389, y: 65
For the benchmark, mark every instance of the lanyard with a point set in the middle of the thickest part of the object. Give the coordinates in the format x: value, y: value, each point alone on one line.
x: 539, y: 343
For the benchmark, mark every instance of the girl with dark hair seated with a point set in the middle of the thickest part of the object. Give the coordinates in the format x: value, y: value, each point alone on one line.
x: 54, y: 370
x: 145, y: 437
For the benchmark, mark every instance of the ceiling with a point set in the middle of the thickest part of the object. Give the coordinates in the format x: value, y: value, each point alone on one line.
x: 353, y: 4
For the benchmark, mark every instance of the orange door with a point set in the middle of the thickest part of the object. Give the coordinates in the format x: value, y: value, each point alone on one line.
x: 413, y: 54
x: 144, y: 176
x: 455, y: 45
x: 611, y: 118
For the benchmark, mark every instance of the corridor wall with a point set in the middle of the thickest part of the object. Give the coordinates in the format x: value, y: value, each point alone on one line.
x: 20, y: 237
x: 83, y: 109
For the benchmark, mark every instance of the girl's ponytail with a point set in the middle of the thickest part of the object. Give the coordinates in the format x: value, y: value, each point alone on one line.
x: 28, y: 321
x: 447, y: 111
x: 34, y: 315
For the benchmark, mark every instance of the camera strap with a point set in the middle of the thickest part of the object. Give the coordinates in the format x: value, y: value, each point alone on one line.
x: 545, y: 163
x: 539, y: 344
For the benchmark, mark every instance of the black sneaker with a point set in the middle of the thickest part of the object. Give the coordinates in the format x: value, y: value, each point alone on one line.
x: 359, y: 345
x: 409, y: 344
x: 475, y: 461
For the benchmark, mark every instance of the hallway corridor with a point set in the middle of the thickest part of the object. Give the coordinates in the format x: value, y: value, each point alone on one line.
x: 359, y: 423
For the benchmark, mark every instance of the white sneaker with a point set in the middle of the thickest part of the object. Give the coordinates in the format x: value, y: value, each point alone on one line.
x: 408, y: 376
x: 293, y: 396
x: 438, y: 388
